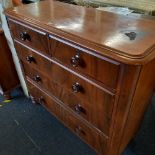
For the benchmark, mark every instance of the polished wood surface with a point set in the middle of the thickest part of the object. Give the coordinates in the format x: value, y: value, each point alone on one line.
x: 142, y: 96
x: 105, y: 32
x: 8, y: 75
x: 93, y: 70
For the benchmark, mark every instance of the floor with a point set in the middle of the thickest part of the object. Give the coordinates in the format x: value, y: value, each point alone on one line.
x: 28, y: 129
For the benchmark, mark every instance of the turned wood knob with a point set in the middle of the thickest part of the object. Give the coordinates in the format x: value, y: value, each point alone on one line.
x: 33, y: 99
x: 76, y: 87
x: 25, y: 36
x: 37, y: 78
x: 41, y: 100
x: 79, y: 109
x: 79, y: 130
x: 30, y: 59
x: 75, y: 60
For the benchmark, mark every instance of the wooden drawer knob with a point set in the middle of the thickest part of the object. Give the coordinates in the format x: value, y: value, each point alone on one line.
x: 30, y: 59
x: 79, y: 109
x: 79, y: 130
x: 75, y: 60
x: 36, y: 100
x: 37, y: 78
x: 41, y: 100
x: 25, y: 36
x: 76, y: 87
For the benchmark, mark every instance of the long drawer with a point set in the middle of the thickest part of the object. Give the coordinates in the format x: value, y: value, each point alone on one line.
x: 80, y: 59
x: 87, y: 133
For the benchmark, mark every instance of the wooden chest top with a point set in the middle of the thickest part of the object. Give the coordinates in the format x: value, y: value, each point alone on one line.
x: 123, y: 38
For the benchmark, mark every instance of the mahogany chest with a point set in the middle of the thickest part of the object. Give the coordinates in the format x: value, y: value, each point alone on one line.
x: 92, y: 70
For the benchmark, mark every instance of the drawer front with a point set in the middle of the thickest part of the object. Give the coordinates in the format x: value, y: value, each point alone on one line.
x: 44, y: 99
x: 81, y: 107
x: 30, y: 37
x: 87, y: 133
x: 97, y: 68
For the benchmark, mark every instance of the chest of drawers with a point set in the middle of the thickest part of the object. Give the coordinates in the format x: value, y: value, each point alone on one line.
x: 92, y: 70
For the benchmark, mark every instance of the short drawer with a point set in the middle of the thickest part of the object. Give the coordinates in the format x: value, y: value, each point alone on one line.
x: 81, y: 107
x: 29, y: 36
x: 100, y: 69
x: 94, y: 138
x: 42, y: 98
